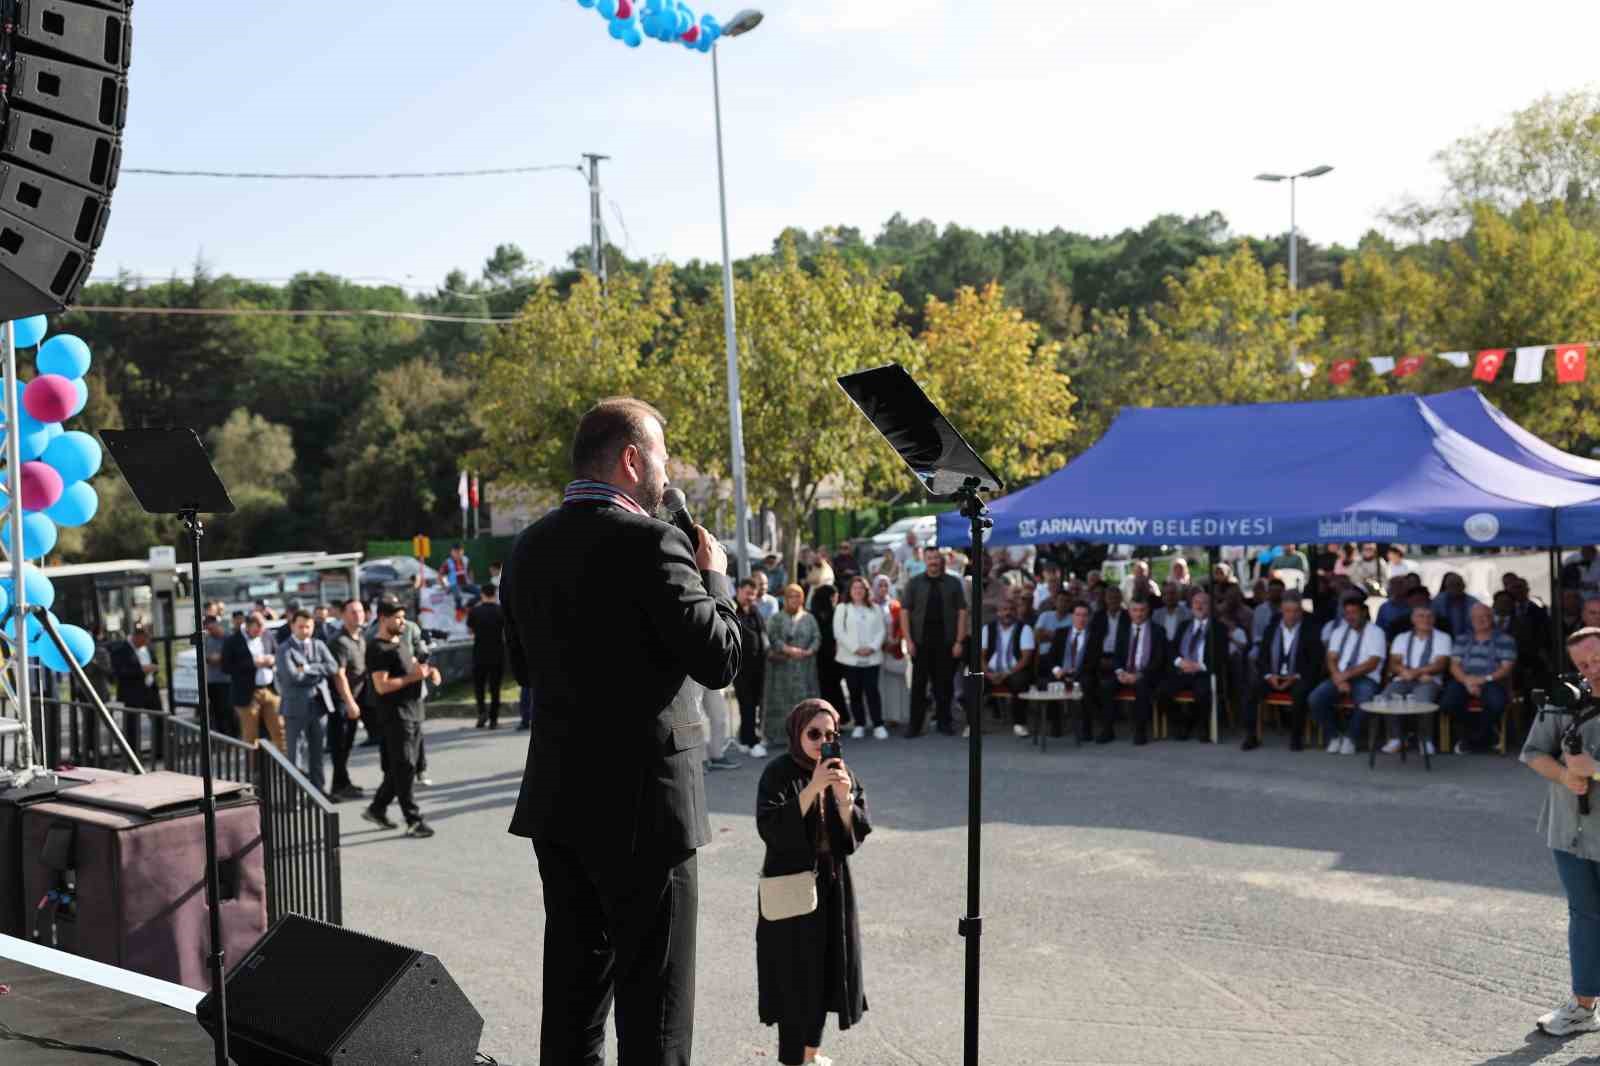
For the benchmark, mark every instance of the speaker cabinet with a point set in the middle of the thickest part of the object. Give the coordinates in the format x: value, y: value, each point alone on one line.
x: 313, y: 994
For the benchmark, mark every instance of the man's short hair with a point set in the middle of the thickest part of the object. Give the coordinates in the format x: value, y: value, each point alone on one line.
x: 301, y: 613
x: 606, y: 429
x: 345, y: 606
x: 749, y: 583
x: 255, y: 617
x: 389, y: 607
x: 239, y: 614
x: 1581, y: 635
x: 490, y: 591
x: 1278, y: 581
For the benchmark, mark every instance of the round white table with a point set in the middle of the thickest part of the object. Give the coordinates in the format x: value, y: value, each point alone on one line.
x: 1400, y: 711
x: 1036, y: 700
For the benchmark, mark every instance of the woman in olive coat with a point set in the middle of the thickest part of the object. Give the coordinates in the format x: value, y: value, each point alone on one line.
x: 811, y: 815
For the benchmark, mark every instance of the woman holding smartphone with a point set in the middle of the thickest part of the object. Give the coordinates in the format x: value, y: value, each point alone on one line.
x: 812, y: 815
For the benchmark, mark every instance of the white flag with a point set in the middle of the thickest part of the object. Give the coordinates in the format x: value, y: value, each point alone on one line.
x: 461, y: 490
x: 1530, y: 366
x: 1459, y: 360
x: 1382, y: 364
x: 1306, y: 369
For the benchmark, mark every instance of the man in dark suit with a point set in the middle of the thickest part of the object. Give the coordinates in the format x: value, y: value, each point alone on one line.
x: 613, y: 796
x: 1290, y: 660
x: 1136, y: 661
x: 1200, y: 654
x: 1108, y: 632
x: 1069, y: 662
x: 250, y: 656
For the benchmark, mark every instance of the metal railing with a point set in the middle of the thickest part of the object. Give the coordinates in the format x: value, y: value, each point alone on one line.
x: 299, y: 827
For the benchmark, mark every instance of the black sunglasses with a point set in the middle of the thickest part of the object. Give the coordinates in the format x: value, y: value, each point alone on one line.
x: 818, y: 734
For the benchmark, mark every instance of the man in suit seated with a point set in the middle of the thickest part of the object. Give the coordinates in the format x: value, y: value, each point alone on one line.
x: 304, y: 666
x: 1069, y: 662
x: 1008, y: 659
x: 1108, y: 631
x: 1288, y: 660
x: 1136, y: 662
x: 1200, y: 649
x: 1481, y: 666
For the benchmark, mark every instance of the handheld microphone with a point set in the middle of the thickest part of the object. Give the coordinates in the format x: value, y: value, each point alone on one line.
x: 678, y: 511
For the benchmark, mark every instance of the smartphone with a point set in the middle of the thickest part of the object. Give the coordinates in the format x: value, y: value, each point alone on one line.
x: 832, y: 749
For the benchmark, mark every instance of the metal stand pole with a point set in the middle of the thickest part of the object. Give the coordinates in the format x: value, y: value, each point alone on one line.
x: 219, y: 990
x: 971, y: 925
x: 18, y: 661
x: 735, y: 408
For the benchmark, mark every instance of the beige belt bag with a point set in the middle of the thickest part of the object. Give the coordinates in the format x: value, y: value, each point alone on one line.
x: 788, y: 896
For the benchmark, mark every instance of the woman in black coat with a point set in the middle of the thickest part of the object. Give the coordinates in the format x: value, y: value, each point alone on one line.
x: 811, y: 816
x: 830, y: 675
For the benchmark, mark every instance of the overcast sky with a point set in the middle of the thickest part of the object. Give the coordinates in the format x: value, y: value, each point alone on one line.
x: 1093, y: 116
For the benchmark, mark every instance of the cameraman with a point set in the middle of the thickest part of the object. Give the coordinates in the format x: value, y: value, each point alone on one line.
x: 1576, y: 845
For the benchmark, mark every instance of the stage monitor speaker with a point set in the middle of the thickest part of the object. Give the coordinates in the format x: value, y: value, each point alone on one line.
x: 65, y: 64
x: 313, y: 994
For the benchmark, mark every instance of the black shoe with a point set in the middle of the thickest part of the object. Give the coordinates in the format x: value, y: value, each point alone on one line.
x: 494, y: 723
x: 1251, y: 743
x: 419, y: 828
x: 1296, y: 744
x: 1105, y: 737
x: 370, y: 815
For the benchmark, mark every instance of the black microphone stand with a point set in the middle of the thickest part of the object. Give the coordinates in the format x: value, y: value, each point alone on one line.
x: 971, y: 924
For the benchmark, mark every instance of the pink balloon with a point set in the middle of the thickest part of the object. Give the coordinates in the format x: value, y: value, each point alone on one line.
x: 691, y: 35
x: 50, y: 398
x: 624, y: 10
x: 41, y: 486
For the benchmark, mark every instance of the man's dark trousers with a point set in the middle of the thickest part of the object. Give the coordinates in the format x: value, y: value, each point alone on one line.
x: 341, y: 738
x: 624, y: 931
x: 490, y: 676
x: 1196, y: 715
x: 749, y: 688
x: 934, y: 663
x: 402, y: 747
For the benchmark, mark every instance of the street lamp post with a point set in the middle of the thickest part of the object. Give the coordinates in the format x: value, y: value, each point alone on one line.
x: 742, y: 23
x: 1294, y: 242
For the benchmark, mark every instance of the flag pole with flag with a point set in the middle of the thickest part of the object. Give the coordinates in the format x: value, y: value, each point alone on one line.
x: 472, y: 498
x: 461, y: 494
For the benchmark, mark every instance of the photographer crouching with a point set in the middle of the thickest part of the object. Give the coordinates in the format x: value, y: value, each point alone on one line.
x: 1561, y: 748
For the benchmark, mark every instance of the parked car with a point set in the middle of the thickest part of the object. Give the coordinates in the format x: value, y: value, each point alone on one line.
x: 926, y: 527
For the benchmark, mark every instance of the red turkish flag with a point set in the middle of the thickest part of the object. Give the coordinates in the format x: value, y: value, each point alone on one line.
x: 1490, y: 360
x: 1572, y: 363
x: 1408, y: 365
x: 472, y: 493
x: 1340, y: 372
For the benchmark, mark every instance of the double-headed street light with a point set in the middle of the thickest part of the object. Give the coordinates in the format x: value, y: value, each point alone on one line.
x: 740, y: 24
x: 1294, y: 262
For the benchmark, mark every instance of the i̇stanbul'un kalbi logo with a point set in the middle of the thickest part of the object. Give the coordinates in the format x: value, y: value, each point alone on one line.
x: 1482, y: 527
x: 1351, y: 526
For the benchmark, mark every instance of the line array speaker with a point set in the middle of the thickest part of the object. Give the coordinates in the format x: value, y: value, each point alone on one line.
x: 63, y: 104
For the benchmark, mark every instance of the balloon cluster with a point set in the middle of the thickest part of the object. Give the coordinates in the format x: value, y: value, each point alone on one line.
x: 631, y: 21
x: 57, y: 464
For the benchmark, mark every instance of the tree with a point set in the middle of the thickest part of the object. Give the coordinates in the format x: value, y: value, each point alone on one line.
x: 799, y: 329
x: 1388, y: 303
x: 251, y: 453
x: 985, y: 366
x: 565, y: 352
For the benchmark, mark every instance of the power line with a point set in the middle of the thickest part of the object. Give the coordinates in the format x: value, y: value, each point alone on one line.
x: 270, y: 312
x: 390, y: 176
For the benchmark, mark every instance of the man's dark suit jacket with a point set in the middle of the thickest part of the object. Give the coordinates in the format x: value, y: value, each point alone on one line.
x: 1097, y: 638
x: 241, y: 667
x: 609, y: 620
x: 1309, y: 655
x: 1160, y: 657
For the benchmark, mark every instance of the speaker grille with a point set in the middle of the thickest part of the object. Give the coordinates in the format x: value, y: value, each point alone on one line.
x: 306, y: 983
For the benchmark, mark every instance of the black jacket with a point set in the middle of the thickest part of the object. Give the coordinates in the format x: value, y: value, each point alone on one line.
x: 1159, y: 660
x: 241, y: 669
x: 1215, y: 640
x: 608, y: 620
x: 1097, y: 637
x: 1310, y: 658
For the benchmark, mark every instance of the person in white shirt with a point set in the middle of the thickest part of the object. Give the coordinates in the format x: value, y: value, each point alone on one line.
x: 1138, y: 577
x: 1418, y: 660
x: 1173, y: 612
x: 908, y: 550
x: 1048, y: 623
x: 766, y: 603
x: 1008, y: 655
x: 1356, y: 649
x: 1045, y: 593
x: 858, y: 634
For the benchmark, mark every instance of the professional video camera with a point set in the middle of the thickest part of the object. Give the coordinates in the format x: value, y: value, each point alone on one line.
x: 1571, y: 697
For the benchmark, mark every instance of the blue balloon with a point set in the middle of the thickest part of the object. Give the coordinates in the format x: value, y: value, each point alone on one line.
x: 607, y: 9
x: 585, y: 3
x: 77, y: 505
x: 38, y: 536
x: 83, y: 397
x: 53, y: 430
x: 618, y: 29
x: 632, y: 37
x: 5, y: 599
x: 78, y: 642
x: 30, y: 331
x: 63, y: 354
x: 41, y: 592
x: 75, y: 455
x: 33, y: 441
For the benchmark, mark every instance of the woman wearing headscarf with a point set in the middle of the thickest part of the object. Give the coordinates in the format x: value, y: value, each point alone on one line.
x: 793, y: 638
x: 894, y: 685
x: 812, y: 816
x: 830, y: 672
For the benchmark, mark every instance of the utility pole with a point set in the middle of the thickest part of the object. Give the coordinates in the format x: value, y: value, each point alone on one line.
x: 597, y: 250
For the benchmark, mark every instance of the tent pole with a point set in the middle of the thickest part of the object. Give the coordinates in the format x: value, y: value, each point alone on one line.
x: 1557, y: 622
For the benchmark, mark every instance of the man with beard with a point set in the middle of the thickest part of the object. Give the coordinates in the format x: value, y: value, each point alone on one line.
x: 613, y: 796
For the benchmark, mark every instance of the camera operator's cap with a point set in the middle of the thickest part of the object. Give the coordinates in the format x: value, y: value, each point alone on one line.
x: 1580, y: 635
x: 389, y: 605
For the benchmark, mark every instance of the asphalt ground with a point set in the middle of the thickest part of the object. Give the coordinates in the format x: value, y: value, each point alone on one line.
x: 1174, y: 903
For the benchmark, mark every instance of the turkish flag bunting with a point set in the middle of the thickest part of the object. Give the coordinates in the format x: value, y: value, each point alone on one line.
x: 1489, y: 362
x: 1408, y: 365
x: 1340, y: 372
x: 1572, y: 363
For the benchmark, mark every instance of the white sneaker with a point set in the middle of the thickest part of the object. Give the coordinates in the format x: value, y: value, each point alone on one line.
x: 1333, y: 745
x: 858, y: 732
x: 758, y: 752
x: 1429, y: 748
x: 880, y: 733
x: 1392, y: 746
x: 1571, y: 1017
x: 1347, y: 746
x: 820, y: 1060
x: 966, y: 730
x: 1461, y: 747
x: 1019, y: 730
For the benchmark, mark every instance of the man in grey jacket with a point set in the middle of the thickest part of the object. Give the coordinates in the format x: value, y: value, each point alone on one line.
x: 304, y: 666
